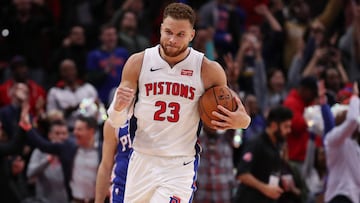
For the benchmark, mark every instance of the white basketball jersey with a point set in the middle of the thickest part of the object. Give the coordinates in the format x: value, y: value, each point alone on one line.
x: 167, y: 106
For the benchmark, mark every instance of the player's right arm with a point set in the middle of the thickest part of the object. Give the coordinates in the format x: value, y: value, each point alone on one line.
x: 107, y: 162
x: 125, y: 93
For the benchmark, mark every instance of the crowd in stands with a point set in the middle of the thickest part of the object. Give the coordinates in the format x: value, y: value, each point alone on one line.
x: 60, y: 61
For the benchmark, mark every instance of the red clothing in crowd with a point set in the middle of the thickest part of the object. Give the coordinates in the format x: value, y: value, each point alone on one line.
x: 249, y: 6
x: 36, y: 92
x: 298, y: 139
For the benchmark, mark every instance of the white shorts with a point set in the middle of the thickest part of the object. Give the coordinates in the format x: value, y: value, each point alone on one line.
x: 160, y: 179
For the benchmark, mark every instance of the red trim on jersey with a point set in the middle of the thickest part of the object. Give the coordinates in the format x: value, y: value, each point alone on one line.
x: 187, y: 72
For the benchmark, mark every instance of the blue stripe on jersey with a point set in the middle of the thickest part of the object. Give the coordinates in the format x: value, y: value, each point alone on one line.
x: 198, y: 148
x: 124, y: 149
x: 196, y: 166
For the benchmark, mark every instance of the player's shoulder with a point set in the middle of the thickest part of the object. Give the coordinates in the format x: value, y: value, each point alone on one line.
x: 137, y: 57
x: 135, y: 61
x: 208, y: 64
x: 212, y: 73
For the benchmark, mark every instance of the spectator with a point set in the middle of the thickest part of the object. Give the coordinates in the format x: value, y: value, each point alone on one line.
x: 342, y: 146
x: 297, y: 100
x: 13, y: 166
x: 215, y: 180
x: 250, y: 7
x: 225, y: 21
x: 105, y: 64
x: 10, y: 146
x: 36, y: 93
x: 349, y: 44
x: 30, y: 26
x: 10, y: 114
x: 46, y: 170
x: 295, y: 27
x: 128, y: 36
x: 272, y: 32
x: 335, y: 79
x: 291, y: 181
x: 331, y: 12
x: 260, y: 165
x: 258, y: 123
x: 142, y: 9
x: 232, y: 72
x: 72, y: 47
x: 87, y: 13
x: 269, y: 87
x: 249, y: 58
x: 78, y: 159
x: 204, y: 42
x: 324, y: 58
x: 314, y: 172
x: 69, y: 92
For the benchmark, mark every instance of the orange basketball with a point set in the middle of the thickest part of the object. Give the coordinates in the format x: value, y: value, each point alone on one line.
x: 218, y: 95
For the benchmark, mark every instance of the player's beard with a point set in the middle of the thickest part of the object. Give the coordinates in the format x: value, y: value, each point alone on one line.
x: 170, y: 53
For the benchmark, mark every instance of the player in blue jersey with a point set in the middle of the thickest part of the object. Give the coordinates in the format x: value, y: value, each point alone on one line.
x: 114, y: 164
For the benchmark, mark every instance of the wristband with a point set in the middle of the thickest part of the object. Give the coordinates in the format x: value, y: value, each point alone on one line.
x: 117, y: 118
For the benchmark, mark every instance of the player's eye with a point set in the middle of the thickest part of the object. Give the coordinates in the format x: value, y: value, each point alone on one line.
x: 181, y: 34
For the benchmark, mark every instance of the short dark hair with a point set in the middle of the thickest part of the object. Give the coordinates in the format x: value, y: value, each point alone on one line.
x: 107, y: 26
x: 180, y: 11
x: 17, y: 61
x: 57, y: 122
x: 70, y: 29
x: 279, y: 114
x: 310, y: 83
x: 89, y: 120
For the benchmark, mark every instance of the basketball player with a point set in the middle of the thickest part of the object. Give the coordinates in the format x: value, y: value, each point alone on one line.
x: 116, y: 147
x: 169, y: 80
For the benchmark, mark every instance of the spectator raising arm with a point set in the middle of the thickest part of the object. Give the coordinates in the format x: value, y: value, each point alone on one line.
x: 337, y: 135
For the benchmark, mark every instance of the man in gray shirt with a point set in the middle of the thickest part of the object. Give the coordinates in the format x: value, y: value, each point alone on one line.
x: 46, y: 170
x: 343, y: 156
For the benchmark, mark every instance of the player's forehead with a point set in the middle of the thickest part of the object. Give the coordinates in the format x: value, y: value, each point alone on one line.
x: 176, y: 25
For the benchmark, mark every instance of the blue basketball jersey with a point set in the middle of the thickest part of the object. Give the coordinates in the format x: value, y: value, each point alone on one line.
x: 124, y: 149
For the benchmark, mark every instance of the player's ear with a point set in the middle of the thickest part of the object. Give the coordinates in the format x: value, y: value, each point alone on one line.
x: 192, y: 35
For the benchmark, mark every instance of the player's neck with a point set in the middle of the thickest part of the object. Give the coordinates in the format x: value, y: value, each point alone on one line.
x: 172, y: 61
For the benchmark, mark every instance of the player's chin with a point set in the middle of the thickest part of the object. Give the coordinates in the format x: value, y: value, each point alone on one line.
x: 172, y: 53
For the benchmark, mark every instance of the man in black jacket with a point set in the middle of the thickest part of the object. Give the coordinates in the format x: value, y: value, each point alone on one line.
x: 12, y: 146
x: 260, y: 162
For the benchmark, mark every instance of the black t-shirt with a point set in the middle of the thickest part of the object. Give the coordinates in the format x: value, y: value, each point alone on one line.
x: 261, y: 158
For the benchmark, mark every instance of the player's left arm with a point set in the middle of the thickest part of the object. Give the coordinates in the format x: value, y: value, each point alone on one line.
x: 214, y: 75
x: 107, y: 163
